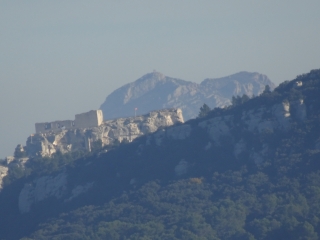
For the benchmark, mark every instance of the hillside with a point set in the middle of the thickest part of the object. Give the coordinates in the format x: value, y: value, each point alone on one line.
x: 249, y: 171
x: 155, y: 91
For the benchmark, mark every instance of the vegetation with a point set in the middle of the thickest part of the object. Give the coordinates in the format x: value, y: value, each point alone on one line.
x: 239, y: 100
x: 230, y: 205
x: 19, y: 152
x: 266, y: 90
x: 204, y: 110
x: 42, y: 165
x: 137, y: 194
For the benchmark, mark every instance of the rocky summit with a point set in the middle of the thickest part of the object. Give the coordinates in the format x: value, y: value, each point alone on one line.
x: 247, y: 171
x: 156, y: 91
x: 46, y: 143
x: 82, y: 139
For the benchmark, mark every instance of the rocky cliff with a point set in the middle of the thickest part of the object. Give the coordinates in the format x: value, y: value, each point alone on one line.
x: 271, y: 119
x: 265, y: 148
x: 47, y: 143
x: 228, y: 126
x: 82, y: 139
x: 157, y: 91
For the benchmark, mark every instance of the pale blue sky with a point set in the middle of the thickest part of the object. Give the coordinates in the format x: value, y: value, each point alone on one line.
x: 60, y: 58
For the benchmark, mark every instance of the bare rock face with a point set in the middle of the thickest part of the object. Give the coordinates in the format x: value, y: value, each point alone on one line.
x: 41, y: 189
x: 282, y: 113
x: 279, y: 118
x: 8, y: 163
x: 51, y: 186
x: 3, y: 173
x: 179, y: 132
x: 218, y: 127
x: 237, y: 84
x: 156, y: 91
x: 46, y: 144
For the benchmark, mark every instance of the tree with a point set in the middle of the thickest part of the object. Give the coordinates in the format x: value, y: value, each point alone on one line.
x: 19, y: 152
x: 239, y: 100
x: 266, y: 89
x: 204, y: 110
x: 96, y: 145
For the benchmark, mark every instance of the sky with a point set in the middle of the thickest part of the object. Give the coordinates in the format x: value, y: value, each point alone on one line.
x: 60, y: 58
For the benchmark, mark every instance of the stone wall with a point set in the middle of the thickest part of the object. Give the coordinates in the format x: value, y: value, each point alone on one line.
x: 80, y: 138
x: 89, y: 119
x: 93, y: 118
x: 54, y: 126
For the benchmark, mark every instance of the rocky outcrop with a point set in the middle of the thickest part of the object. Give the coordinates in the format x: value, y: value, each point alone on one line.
x: 3, y: 173
x: 278, y: 118
x: 83, y: 139
x: 157, y: 91
x: 176, y: 133
x: 217, y: 127
x: 252, y: 120
x: 221, y: 129
x: 235, y: 127
x: 41, y: 189
x: 51, y: 186
x: 8, y: 163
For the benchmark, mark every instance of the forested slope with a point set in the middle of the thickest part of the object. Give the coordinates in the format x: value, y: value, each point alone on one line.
x: 250, y: 171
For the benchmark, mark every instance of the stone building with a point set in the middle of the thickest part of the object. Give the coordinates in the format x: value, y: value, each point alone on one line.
x: 54, y: 126
x: 93, y: 118
x: 89, y: 129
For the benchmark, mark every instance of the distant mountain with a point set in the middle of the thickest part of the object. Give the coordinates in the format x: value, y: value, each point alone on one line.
x: 156, y: 91
x: 247, y: 171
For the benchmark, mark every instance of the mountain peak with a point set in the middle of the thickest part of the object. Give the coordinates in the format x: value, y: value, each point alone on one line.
x: 156, y: 91
x: 156, y: 76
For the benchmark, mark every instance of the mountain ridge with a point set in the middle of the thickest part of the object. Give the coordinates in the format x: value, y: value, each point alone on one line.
x: 156, y: 91
x: 247, y: 171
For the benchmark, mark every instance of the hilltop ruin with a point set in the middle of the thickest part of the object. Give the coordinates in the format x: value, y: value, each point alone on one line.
x: 93, y: 118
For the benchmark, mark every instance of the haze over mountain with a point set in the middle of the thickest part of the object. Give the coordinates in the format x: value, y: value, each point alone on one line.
x: 155, y: 91
x: 247, y: 171
x: 59, y: 58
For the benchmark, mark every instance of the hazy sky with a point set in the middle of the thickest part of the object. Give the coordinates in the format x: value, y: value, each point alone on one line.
x: 59, y: 58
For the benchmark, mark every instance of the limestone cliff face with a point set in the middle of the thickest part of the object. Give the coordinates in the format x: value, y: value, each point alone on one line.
x: 48, y: 143
x: 3, y: 173
x: 156, y: 91
x: 228, y: 126
x: 42, y: 188
x: 278, y: 118
x: 10, y: 163
x: 217, y: 127
x: 50, y: 186
x: 259, y: 120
